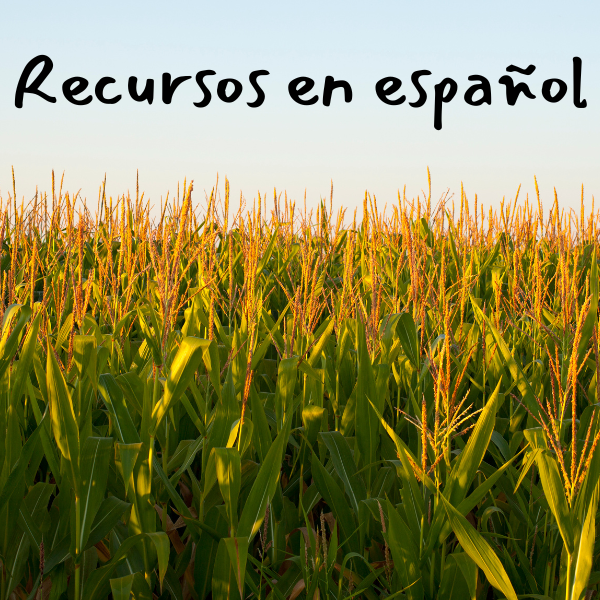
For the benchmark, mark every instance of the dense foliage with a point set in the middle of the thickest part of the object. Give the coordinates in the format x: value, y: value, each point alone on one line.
x: 206, y: 403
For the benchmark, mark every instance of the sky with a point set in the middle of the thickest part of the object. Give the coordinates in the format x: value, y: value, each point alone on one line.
x: 361, y: 145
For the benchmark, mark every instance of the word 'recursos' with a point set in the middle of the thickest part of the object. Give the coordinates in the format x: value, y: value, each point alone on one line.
x: 76, y: 90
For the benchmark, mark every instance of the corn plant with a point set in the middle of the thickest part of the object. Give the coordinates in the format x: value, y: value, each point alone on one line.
x: 274, y: 403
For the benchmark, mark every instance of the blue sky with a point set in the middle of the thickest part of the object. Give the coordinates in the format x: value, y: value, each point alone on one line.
x: 361, y: 145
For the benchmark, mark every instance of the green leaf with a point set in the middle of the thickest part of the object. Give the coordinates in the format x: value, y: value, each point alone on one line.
x: 237, y: 549
x: 284, y: 392
x: 113, y: 398
x: 554, y: 493
x: 162, y: 546
x: 64, y: 424
x: 16, y: 562
x: 9, y: 342
x: 212, y: 364
x: 194, y: 315
x: 479, y: 550
x: 344, y: 466
x: 469, y: 571
x: 411, y: 494
x: 227, y: 412
x: 17, y: 473
x: 33, y: 510
x: 334, y: 497
x: 440, y: 528
x: 516, y: 372
x: 405, y: 554
x: 108, y: 515
x: 206, y: 552
x: 183, y: 368
x: 133, y: 388
x: 453, y: 585
x: 172, y: 584
x: 409, y: 338
x: 99, y: 579
x: 531, y: 456
x: 262, y: 433
x: 224, y: 584
x: 84, y: 357
x: 152, y: 337
x: 470, y: 458
x: 264, y: 486
x: 121, y: 587
x: 171, y: 491
x: 95, y: 457
x: 315, y: 355
x: 367, y: 433
x: 312, y: 417
x: 229, y: 476
x: 192, y: 449
x: 128, y: 454
x: 45, y: 433
x: 583, y: 555
x: 21, y: 375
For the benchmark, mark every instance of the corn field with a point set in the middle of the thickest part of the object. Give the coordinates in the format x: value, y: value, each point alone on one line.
x: 275, y: 403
